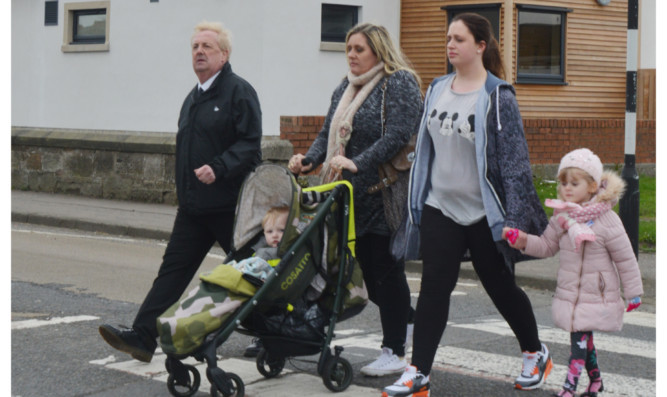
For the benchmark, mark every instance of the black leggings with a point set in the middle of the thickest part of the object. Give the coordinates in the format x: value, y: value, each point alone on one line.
x: 387, y: 288
x: 444, y: 243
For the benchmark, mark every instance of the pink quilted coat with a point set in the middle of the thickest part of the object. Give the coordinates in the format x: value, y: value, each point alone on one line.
x: 588, y: 295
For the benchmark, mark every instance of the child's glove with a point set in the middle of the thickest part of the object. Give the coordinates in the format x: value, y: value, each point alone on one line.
x: 634, y: 303
x: 512, y: 235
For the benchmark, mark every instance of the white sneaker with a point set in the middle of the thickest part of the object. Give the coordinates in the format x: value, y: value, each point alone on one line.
x: 387, y: 364
x: 408, y: 337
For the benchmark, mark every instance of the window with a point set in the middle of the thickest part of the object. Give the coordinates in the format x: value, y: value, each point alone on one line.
x: 337, y: 20
x: 541, y: 45
x: 86, y: 27
x: 89, y: 26
x: 488, y: 11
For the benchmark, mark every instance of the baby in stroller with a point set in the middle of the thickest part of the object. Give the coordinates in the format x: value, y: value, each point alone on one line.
x: 312, y: 281
x: 273, y: 225
x: 257, y: 267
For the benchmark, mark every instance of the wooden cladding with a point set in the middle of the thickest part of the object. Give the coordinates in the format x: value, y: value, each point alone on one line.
x: 595, y: 57
x: 423, y: 31
x: 646, y: 94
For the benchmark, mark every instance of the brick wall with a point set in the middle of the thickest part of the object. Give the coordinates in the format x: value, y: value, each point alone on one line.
x: 548, y: 140
x: 300, y: 130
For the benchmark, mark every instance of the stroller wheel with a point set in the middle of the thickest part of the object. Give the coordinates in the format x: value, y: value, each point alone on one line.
x: 337, y: 374
x: 269, y: 367
x: 181, y: 385
x: 236, y: 383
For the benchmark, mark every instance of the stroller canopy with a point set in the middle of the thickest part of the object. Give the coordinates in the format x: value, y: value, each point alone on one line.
x: 268, y: 186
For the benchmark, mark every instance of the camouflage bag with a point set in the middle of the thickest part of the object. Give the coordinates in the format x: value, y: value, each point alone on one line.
x: 183, y: 327
x: 355, y: 294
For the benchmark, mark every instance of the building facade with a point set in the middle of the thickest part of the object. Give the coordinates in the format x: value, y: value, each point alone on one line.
x: 133, y: 73
x: 566, y: 59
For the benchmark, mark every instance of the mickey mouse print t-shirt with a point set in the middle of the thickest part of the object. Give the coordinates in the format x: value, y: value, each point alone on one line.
x: 454, y: 180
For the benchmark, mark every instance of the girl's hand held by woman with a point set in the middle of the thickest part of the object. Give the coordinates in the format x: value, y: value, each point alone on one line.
x: 515, y: 238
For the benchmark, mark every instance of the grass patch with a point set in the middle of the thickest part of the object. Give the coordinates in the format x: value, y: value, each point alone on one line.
x: 647, y: 221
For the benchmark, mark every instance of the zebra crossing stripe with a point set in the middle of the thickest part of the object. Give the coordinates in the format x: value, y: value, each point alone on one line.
x: 500, y: 367
x: 255, y: 383
x: 34, y: 323
x: 474, y: 363
x: 603, y: 341
x: 641, y: 319
x: 468, y: 362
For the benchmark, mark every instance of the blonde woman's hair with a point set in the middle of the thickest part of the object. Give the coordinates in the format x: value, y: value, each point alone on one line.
x: 224, y: 35
x: 383, y: 47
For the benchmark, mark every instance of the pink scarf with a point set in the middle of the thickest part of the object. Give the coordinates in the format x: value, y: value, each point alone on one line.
x: 577, y: 219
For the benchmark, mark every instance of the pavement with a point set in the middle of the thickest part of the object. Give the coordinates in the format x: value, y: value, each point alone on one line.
x: 155, y: 221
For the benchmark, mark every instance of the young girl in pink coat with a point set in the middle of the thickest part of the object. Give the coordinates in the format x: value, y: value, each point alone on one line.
x: 595, y: 257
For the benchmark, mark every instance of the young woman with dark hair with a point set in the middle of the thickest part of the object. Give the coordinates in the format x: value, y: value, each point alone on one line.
x: 470, y: 179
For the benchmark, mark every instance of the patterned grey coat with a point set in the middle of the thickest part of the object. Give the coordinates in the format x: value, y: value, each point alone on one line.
x: 367, y: 147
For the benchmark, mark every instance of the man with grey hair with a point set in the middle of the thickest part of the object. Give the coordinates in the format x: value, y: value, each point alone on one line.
x: 217, y: 146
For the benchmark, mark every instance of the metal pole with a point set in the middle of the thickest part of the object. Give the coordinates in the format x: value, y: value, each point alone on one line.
x: 629, y: 205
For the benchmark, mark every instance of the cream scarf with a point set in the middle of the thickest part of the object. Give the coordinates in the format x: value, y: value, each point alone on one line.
x: 340, y: 129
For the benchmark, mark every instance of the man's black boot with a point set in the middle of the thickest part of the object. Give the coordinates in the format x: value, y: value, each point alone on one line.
x: 127, y: 340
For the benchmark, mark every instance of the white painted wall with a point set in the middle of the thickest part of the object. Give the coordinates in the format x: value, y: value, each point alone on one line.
x: 140, y: 83
x: 647, y: 34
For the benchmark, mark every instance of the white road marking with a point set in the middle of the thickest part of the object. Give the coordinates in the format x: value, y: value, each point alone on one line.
x: 255, y: 384
x: 460, y: 284
x: 603, y: 341
x: 505, y: 368
x: 77, y: 235
x: 496, y: 366
x: 33, y: 323
x: 473, y: 363
x: 104, y: 361
x: 642, y: 319
x: 103, y: 238
x: 454, y: 293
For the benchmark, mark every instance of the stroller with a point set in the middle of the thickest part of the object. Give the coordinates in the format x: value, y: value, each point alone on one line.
x: 294, y: 310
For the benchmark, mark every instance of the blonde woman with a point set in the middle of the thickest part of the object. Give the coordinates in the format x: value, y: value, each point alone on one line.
x: 373, y: 113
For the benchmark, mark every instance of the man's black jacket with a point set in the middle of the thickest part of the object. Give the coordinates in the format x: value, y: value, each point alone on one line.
x: 222, y: 127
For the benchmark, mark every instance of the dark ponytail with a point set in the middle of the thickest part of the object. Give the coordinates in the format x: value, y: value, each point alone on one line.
x: 481, y: 30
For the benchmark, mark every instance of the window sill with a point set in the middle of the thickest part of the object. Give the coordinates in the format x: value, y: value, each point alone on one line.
x: 332, y: 46
x: 84, y: 47
x: 539, y: 81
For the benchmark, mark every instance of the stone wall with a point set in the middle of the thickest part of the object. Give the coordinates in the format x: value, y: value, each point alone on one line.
x: 123, y: 165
